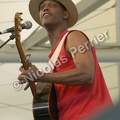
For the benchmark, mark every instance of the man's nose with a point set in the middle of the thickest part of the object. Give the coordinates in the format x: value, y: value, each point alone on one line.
x: 46, y: 8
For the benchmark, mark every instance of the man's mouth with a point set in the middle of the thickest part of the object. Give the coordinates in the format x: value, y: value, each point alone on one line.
x: 46, y: 14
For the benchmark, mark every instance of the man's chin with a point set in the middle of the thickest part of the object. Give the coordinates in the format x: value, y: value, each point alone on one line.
x: 47, y: 25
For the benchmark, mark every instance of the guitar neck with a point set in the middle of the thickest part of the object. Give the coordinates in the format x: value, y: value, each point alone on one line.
x: 25, y: 65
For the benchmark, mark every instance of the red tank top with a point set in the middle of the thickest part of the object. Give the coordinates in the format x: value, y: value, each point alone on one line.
x: 79, y: 102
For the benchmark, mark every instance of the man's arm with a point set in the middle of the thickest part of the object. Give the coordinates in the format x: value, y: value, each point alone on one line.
x: 83, y: 60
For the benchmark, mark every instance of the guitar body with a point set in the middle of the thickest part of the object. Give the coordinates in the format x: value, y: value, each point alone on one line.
x: 40, y: 108
x: 41, y: 111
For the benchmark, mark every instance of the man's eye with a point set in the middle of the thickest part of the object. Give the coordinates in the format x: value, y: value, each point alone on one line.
x: 53, y: 5
x: 41, y: 7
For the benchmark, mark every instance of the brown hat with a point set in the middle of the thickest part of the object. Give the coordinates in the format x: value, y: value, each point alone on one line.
x: 68, y: 4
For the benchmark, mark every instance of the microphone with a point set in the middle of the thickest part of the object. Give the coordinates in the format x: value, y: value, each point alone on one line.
x: 25, y: 25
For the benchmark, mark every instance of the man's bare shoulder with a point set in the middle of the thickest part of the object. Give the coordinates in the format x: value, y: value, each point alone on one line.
x: 76, y: 38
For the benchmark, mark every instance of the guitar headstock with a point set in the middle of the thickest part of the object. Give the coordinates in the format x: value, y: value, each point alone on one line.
x: 18, y: 25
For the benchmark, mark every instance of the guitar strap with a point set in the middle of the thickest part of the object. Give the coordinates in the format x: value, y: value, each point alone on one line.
x: 40, y: 86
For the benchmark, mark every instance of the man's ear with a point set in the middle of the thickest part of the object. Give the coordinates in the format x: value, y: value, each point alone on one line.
x: 66, y: 15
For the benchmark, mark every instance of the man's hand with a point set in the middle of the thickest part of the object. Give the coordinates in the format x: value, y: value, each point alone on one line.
x: 30, y: 75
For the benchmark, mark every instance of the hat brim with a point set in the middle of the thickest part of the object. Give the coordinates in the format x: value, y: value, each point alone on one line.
x: 68, y: 4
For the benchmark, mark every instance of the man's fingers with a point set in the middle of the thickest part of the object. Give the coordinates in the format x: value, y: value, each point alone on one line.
x: 21, y: 68
x: 26, y: 87
x: 29, y: 63
x: 33, y: 67
x: 22, y: 79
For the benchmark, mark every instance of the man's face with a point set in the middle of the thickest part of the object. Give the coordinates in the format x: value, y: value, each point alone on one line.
x: 51, y: 13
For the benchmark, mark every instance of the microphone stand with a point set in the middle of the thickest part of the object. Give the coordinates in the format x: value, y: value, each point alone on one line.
x: 11, y: 38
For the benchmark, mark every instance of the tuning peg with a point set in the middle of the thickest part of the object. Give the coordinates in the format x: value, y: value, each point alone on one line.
x: 20, y: 13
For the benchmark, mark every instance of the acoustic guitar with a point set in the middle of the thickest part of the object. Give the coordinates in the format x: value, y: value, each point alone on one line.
x: 40, y: 100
